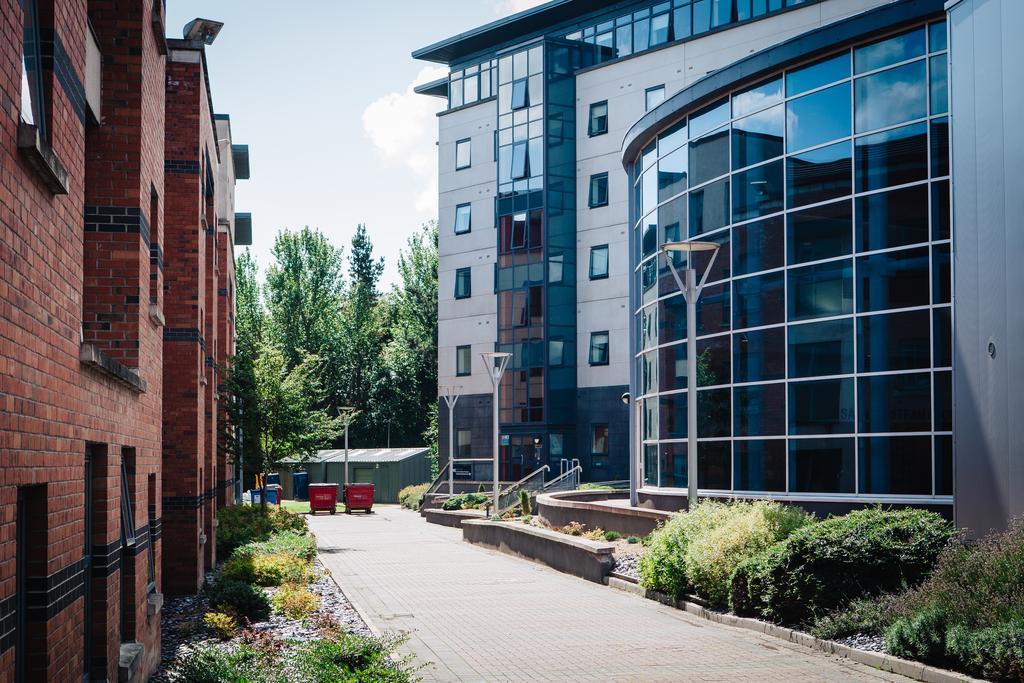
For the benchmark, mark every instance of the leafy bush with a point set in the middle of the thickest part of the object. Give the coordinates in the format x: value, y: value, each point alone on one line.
x: 240, y: 599
x: 267, y: 570
x: 573, y: 529
x: 633, y: 539
x: 294, y: 601
x: 594, y: 534
x: 296, y: 543
x: 611, y: 536
x: 827, y: 564
x: 970, y: 612
x: 241, y: 524
x: 224, y: 625
x: 466, y: 501
x: 353, y: 658
x: 213, y: 664
x: 870, y: 615
x: 412, y: 496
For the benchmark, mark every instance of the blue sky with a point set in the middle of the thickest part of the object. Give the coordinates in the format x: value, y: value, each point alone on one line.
x: 320, y: 90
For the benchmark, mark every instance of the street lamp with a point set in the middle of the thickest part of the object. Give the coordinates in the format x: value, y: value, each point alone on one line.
x: 347, y: 414
x: 495, y: 362
x: 691, y: 293
x: 451, y: 396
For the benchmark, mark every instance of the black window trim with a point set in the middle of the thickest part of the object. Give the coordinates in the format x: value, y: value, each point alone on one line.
x: 468, y: 273
x: 458, y: 349
x: 590, y: 192
x: 648, y: 91
x: 469, y: 229
x: 607, y: 438
x: 468, y: 141
x: 590, y: 262
x: 590, y: 119
x: 607, y: 350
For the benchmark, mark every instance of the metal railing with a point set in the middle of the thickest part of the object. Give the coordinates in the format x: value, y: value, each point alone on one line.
x: 439, y: 481
x: 509, y: 498
x: 567, y: 481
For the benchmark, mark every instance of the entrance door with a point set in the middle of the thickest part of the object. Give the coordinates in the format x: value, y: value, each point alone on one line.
x: 363, y: 475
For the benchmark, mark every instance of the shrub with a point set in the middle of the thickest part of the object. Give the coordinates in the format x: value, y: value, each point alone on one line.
x: 995, y: 653
x: 213, y: 664
x: 351, y: 657
x: 465, y: 501
x: 920, y: 636
x: 573, y: 529
x: 412, y: 496
x: 633, y: 539
x: 296, y: 543
x: 294, y: 601
x: 863, y: 615
x: 825, y: 565
x: 612, y: 536
x: 593, y: 534
x: 224, y: 625
x: 240, y: 599
x: 241, y: 524
x: 267, y: 570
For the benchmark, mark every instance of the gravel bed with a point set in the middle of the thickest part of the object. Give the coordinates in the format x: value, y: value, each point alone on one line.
x: 863, y: 641
x: 183, y: 627
x: 628, y: 565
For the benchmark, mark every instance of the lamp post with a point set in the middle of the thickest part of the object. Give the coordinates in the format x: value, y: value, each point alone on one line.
x: 451, y: 396
x: 691, y: 293
x: 347, y: 413
x: 495, y: 362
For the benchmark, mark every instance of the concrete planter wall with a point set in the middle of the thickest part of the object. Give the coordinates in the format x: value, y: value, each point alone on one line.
x: 452, y: 518
x: 558, y: 509
x: 591, y: 560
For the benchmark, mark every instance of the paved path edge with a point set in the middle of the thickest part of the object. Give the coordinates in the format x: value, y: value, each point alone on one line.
x: 363, y: 614
x: 877, y: 660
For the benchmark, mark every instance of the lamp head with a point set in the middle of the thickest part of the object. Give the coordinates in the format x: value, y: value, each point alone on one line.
x: 205, y: 30
x: 689, y: 246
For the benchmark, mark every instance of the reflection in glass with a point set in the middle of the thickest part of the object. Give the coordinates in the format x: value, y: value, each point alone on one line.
x: 896, y: 279
x: 759, y: 465
x: 672, y: 464
x: 937, y: 36
x: 820, y: 233
x: 896, y: 465
x: 818, y: 74
x: 757, y: 191
x: 940, y: 210
x: 756, y: 98
x: 823, y: 406
x: 759, y: 300
x: 892, y: 219
x: 943, y: 401
x: 673, y: 138
x: 890, y: 97
x: 817, y: 118
x: 713, y: 309
x: 894, y: 341
x: 895, y: 403
x: 672, y: 412
x: 942, y: 278
x: 708, y: 118
x: 892, y: 50
x: 939, y: 91
x: 821, y: 465
x: 713, y: 465
x: 758, y: 137
x: 818, y: 175
x: 893, y: 157
x: 709, y: 207
x: 942, y: 339
x: 759, y: 410
x: 714, y: 416
x: 758, y: 246
x: 821, y: 349
x: 759, y: 355
x: 944, y: 465
x: 709, y: 156
x: 672, y: 174
x: 940, y: 147
x: 821, y: 290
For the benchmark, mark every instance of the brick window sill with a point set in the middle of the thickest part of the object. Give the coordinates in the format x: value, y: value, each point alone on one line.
x: 92, y: 357
x: 42, y: 159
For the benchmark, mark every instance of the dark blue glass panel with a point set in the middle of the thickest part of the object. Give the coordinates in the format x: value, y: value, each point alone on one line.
x: 893, y: 157
x: 818, y: 74
x: 701, y: 16
x: 942, y: 337
x: 671, y: 320
x: 820, y: 233
x: 894, y: 341
x: 757, y: 191
x: 709, y: 156
x: 672, y: 367
x: 709, y: 207
x: 818, y: 118
x: 944, y: 465
x: 939, y: 90
x: 892, y: 219
x: 759, y: 300
x: 821, y: 465
x: 943, y: 401
x: 672, y: 174
x: 714, y: 415
x: 937, y: 36
x: 940, y: 147
x: 672, y: 416
x: 759, y: 465
x: 671, y: 463
x: 759, y: 410
x: 896, y: 279
x: 895, y: 403
x: 823, y: 406
x: 821, y: 290
x: 940, y: 210
x: 757, y: 246
x: 892, y: 50
x: 819, y: 175
x: 890, y: 97
x: 758, y: 137
x: 896, y: 465
x: 713, y: 465
x: 759, y: 355
x: 942, y: 277
x: 713, y: 309
x: 821, y: 349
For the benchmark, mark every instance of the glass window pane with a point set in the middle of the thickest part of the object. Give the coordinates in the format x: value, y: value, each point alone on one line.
x: 722, y: 13
x: 759, y: 355
x: 893, y: 280
x: 709, y: 156
x: 598, y: 262
x: 463, y: 360
x: 893, y: 157
x: 894, y: 341
x: 759, y: 465
x: 598, y: 118
x: 821, y: 290
x: 671, y: 221
x: 671, y: 463
x: 895, y: 403
x: 821, y: 349
x: 462, y: 154
x: 681, y: 27
x: 672, y: 174
x: 709, y: 207
x: 671, y: 319
x: 757, y: 98
x: 701, y: 16
x: 896, y: 465
x: 598, y: 348
x: 940, y: 210
x: 757, y: 191
x: 708, y: 118
x: 672, y: 414
x: 892, y: 219
x: 714, y: 415
x: 759, y: 410
x: 942, y: 278
x: 819, y: 175
x: 672, y: 138
x: 758, y: 137
x: 624, y: 40
x: 659, y: 29
x: 463, y: 218
x: 940, y: 147
x: 890, y: 97
x: 818, y: 74
x: 943, y: 401
x: 758, y: 246
x: 821, y: 465
x: 520, y: 168
x: 653, y: 97
x: 942, y: 339
x: 817, y: 118
x: 820, y: 233
x: 759, y: 300
x: 944, y: 465
x: 713, y: 465
x: 937, y: 36
x: 598, y: 190
x: 892, y: 50
x: 713, y: 309
x: 520, y: 100
x: 823, y: 406
x: 939, y: 90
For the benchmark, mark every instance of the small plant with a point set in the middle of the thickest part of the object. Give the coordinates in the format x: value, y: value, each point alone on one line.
x: 209, y: 663
x: 573, y: 529
x: 646, y: 540
x: 594, y: 534
x: 267, y: 570
x: 224, y: 625
x: 612, y: 536
x: 466, y: 501
x: 240, y: 599
x: 633, y: 540
x: 411, y: 497
x: 352, y: 657
x: 528, y: 519
x: 524, y: 503
x: 294, y: 601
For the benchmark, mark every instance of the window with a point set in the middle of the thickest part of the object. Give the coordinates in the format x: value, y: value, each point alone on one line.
x: 599, y: 440
x: 463, y: 218
x: 520, y: 94
x: 463, y: 360
x: 599, y: 262
x: 127, y: 544
x: 463, y: 154
x: 598, y: 190
x: 599, y: 348
x: 463, y: 283
x: 151, y: 555
x: 598, y: 118
x: 463, y: 443
x: 520, y: 161
x: 32, y: 109
x: 653, y: 97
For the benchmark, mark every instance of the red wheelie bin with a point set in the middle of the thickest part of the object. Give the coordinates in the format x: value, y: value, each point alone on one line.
x: 323, y: 497
x: 359, y: 497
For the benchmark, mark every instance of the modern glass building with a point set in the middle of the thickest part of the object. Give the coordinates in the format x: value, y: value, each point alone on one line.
x: 809, y: 140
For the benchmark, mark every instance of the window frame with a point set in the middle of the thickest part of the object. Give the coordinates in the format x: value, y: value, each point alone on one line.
x: 592, y: 131
x: 458, y: 351
x: 523, y: 86
x: 607, y: 261
x: 31, y: 54
x: 597, y: 177
x: 469, y: 220
x: 469, y: 144
x: 464, y: 275
x: 647, y: 96
x: 607, y: 349
x: 607, y: 438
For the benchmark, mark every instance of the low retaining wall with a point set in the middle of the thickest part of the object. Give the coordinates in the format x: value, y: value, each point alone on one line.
x: 452, y: 518
x: 591, y: 560
x: 558, y: 509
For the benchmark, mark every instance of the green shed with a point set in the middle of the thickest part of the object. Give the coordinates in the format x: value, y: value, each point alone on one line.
x: 388, y: 469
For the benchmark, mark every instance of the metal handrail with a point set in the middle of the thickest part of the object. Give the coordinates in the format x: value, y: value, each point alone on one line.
x: 567, y: 481
x: 509, y: 498
x: 442, y: 478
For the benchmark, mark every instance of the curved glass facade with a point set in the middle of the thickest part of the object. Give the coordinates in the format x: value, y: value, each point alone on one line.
x: 824, y: 332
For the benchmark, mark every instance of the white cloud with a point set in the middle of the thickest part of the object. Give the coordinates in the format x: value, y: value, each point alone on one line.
x: 506, y: 7
x: 403, y: 128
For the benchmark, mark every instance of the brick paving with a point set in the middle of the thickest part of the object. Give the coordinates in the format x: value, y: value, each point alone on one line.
x: 477, y: 615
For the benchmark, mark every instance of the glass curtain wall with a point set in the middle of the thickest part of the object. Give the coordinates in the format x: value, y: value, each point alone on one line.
x: 824, y: 333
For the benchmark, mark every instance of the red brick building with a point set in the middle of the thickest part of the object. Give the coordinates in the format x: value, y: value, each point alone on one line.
x: 89, y: 273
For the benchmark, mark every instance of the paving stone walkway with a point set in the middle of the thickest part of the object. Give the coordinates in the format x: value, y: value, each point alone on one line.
x: 477, y: 615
